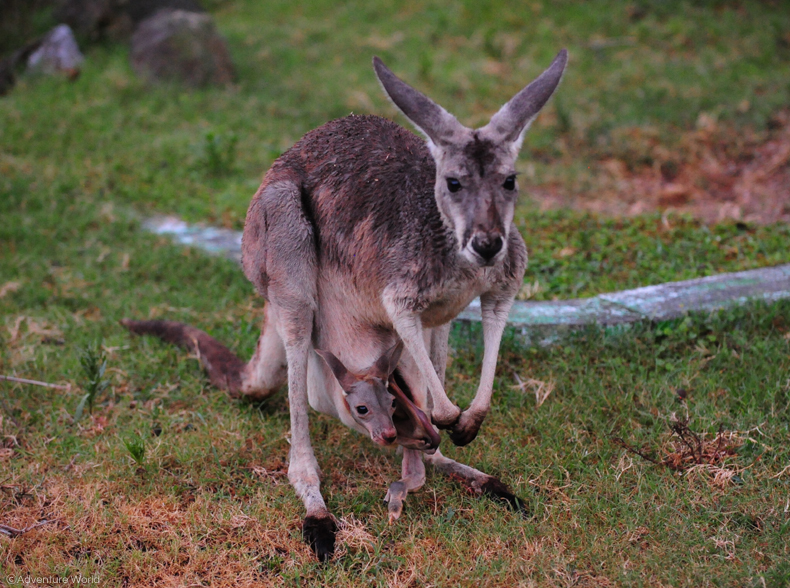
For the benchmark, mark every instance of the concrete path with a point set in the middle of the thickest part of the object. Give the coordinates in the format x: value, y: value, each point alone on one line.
x: 547, y: 319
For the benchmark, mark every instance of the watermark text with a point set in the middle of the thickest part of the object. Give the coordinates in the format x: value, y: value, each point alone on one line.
x: 78, y: 580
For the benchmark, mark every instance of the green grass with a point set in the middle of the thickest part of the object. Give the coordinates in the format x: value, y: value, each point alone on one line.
x: 169, y: 482
x: 165, y: 468
x: 576, y: 255
x: 201, y: 155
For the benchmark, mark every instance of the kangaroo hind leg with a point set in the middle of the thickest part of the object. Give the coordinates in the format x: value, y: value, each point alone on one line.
x: 279, y: 257
x: 267, y: 370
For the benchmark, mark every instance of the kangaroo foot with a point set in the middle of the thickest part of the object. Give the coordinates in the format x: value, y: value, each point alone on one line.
x: 496, y: 490
x: 466, y: 428
x: 319, y: 533
x: 395, y: 496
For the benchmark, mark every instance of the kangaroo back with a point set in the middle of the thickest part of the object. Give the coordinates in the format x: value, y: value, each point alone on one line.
x: 363, y: 187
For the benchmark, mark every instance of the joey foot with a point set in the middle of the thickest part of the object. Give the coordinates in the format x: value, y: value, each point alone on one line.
x: 465, y: 429
x: 319, y: 533
x: 395, y: 496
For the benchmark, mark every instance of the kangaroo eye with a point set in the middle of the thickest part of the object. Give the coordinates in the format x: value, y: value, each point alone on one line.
x: 362, y: 409
x: 510, y: 183
x: 453, y: 185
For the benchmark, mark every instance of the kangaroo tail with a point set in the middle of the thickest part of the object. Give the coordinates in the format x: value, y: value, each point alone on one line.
x: 224, y: 368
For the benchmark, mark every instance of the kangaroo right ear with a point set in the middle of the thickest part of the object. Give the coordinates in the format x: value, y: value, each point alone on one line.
x: 514, y: 118
x: 344, y: 377
x: 430, y: 119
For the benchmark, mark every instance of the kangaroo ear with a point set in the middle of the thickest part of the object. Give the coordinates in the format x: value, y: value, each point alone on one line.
x: 513, y: 119
x: 430, y: 119
x: 344, y: 377
x: 387, y: 363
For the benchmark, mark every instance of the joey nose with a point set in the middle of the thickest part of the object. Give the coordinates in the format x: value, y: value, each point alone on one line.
x: 487, y: 246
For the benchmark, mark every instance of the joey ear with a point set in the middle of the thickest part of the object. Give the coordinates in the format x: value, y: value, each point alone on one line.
x: 394, y: 357
x: 431, y: 119
x: 514, y: 118
x: 344, y: 377
x: 387, y: 363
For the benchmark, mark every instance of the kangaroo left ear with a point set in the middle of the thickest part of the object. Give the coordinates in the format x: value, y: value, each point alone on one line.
x: 344, y: 377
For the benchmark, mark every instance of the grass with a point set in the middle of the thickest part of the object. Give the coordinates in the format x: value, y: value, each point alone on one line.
x: 635, y: 77
x: 168, y: 482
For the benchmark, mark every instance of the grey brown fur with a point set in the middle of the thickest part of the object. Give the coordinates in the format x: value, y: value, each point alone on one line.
x: 362, y: 236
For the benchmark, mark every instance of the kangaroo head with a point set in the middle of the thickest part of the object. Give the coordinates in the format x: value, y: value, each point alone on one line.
x: 476, y: 188
x: 366, y: 394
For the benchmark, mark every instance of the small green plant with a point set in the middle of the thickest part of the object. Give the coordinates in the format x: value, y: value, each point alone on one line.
x: 94, y: 364
x: 219, y: 153
x: 135, y: 445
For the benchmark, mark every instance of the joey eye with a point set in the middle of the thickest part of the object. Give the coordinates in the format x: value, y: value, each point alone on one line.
x: 394, y: 403
x: 453, y: 185
x: 510, y: 183
x: 362, y: 409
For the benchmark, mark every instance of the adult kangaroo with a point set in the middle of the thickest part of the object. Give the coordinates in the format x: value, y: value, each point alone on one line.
x: 363, y: 235
x: 398, y: 235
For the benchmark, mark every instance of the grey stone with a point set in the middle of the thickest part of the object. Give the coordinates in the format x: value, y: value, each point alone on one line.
x: 58, y: 53
x: 114, y: 19
x: 177, y: 45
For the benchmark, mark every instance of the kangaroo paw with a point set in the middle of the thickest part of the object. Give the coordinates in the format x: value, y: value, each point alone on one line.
x: 496, y: 490
x: 466, y: 428
x: 395, y: 496
x: 319, y: 533
x: 448, y: 422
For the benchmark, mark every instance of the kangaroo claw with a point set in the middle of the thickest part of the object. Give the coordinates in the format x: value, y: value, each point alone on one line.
x: 447, y: 423
x: 319, y: 533
x: 465, y: 430
x: 498, y: 491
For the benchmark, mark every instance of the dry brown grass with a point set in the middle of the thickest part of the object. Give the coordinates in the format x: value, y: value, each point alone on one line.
x: 691, y: 453
x: 715, y: 172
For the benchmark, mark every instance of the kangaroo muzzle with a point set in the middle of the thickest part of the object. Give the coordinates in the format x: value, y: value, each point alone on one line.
x: 487, y: 245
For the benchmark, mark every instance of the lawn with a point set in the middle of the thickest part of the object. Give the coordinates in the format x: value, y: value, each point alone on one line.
x: 168, y: 482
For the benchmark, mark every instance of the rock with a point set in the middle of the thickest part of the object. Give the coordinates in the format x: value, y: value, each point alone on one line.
x: 176, y: 45
x: 58, y: 53
x: 114, y: 19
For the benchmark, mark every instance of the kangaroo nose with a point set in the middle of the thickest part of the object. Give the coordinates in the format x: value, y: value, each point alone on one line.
x: 487, y: 246
x: 389, y: 438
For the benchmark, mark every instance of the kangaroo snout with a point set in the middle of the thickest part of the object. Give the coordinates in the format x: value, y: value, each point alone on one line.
x: 385, y: 437
x: 389, y: 437
x: 487, y: 245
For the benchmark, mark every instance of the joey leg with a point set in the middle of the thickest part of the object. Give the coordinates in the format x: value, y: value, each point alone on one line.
x: 412, y: 478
